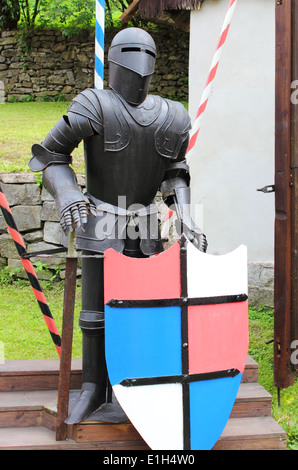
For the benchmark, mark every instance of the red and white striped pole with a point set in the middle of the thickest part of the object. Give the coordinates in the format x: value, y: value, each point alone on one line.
x: 205, y: 97
x: 213, y: 69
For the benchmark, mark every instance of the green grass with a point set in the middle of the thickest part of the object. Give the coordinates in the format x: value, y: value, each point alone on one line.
x: 22, y: 327
x: 22, y: 125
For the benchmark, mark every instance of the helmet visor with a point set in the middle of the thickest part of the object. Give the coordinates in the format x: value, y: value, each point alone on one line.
x: 131, y: 86
x: 136, y: 57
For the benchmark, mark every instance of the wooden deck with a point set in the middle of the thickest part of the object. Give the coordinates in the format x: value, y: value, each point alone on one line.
x: 28, y: 409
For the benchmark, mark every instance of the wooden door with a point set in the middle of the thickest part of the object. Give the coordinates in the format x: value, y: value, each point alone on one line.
x: 286, y: 158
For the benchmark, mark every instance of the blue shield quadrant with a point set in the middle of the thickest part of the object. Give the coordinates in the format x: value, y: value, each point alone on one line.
x: 166, y: 351
x: 145, y: 342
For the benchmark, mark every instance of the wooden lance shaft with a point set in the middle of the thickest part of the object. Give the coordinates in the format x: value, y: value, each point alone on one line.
x: 67, y: 335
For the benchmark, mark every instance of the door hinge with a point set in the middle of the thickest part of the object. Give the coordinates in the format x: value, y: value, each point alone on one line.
x: 267, y: 189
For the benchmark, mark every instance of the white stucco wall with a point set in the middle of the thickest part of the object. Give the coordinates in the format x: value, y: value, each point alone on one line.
x: 234, y: 153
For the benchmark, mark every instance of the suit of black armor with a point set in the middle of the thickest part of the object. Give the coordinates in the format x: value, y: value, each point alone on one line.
x: 134, y: 145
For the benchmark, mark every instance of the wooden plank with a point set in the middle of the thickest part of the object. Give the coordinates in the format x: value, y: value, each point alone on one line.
x: 67, y: 335
x: 34, y: 400
x: 41, y: 374
x: 48, y: 419
x: 253, y: 391
x: 276, y: 443
x: 36, y: 382
x: 130, y: 11
x: 294, y: 173
x: 251, y: 371
x: 105, y: 432
x: 15, y: 367
x: 252, y: 400
x: 282, y: 252
x: 40, y: 438
x: 13, y: 419
x: 259, y: 433
x: 12, y: 367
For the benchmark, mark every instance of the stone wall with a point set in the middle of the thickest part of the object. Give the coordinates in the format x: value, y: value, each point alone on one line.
x: 49, y: 64
x: 36, y: 217
x: 261, y: 284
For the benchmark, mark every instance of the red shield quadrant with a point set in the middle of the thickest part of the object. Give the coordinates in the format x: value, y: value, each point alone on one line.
x: 176, y: 329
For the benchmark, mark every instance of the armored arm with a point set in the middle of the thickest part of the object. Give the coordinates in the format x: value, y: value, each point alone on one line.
x: 176, y: 194
x: 175, y: 186
x: 53, y: 157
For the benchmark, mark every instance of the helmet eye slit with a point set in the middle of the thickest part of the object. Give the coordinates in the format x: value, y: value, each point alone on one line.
x: 131, y: 49
x: 150, y: 53
x: 137, y: 49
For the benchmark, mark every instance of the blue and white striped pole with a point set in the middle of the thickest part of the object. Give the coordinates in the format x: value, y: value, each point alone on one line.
x: 99, y: 44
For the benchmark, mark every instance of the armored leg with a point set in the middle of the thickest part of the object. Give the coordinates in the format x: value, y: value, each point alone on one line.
x: 94, y: 391
x: 132, y: 249
x: 91, y: 321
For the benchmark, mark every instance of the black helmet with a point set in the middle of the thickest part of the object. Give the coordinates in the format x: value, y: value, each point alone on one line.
x: 132, y: 61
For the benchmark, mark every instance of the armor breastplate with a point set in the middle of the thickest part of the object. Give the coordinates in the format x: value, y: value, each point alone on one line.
x: 132, y: 155
x: 125, y: 163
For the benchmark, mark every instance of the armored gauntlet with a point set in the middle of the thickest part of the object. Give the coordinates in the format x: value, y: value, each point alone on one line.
x: 72, y: 204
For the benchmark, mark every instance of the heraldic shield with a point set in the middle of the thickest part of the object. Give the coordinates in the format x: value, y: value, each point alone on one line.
x: 177, y: 341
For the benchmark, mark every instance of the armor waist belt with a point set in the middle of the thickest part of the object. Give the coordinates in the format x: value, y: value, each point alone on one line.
x: 109, y: 228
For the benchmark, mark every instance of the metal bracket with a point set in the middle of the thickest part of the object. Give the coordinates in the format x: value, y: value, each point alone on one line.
x: 54, y: 254
x: 35, y: 254
x: 267, y: 189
